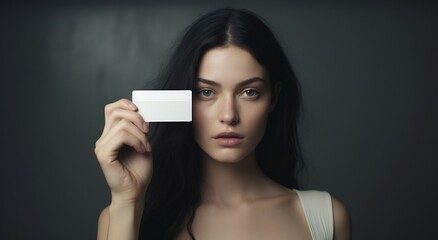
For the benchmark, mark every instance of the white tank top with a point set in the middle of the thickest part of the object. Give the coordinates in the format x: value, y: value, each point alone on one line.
x: 317, y: 206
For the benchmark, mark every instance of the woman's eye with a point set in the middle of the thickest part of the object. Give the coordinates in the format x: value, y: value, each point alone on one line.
x: 206, y: 92
x: 251, y: 93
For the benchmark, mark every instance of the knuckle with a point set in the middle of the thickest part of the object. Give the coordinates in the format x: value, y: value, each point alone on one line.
x: 124, y: 101
x: 97, y: 147
x: 107, y: 108
x: 96, y: 144
x: 96, y: 152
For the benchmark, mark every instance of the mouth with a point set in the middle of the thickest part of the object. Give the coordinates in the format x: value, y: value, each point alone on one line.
x: 228, y: 139
x: 228, y: 135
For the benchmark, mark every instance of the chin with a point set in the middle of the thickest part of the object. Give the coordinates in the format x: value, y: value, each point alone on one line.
x: 226, y: 155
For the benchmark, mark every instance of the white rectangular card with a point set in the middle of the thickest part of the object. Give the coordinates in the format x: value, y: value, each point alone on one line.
x: 164, y: 105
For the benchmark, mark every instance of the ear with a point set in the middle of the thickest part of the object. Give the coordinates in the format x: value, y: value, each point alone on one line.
x: 275, y: 93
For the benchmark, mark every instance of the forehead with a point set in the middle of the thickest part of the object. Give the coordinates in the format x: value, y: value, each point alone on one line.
x: 229, y: 64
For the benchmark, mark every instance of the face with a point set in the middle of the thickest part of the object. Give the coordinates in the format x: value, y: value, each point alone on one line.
x: 231, y: 104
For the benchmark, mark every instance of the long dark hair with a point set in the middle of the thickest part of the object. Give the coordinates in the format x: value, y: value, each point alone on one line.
x: 174, y: 192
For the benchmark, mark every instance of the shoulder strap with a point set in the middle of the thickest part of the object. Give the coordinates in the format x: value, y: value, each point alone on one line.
x: 317, y: 206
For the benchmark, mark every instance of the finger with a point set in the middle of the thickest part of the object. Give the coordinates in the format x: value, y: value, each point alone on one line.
x: 110, y: 151
x: 122, y: 103
x: 128, y: 128
x: 117, y: 114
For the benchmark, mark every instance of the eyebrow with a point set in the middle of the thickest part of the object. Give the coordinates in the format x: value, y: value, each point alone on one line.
x: 245, y: 82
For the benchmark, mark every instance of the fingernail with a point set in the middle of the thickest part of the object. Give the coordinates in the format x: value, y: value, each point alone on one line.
x: 148, y: 147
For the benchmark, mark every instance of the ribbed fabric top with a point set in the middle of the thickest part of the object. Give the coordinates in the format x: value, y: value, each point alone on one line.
x: 317, y: 206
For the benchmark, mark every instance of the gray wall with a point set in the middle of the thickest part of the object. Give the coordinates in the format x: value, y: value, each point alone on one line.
x: 368, y: 75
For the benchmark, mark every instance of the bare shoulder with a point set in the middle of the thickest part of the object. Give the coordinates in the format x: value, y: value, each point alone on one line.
x: 103, y: 224
x: 342, y: 220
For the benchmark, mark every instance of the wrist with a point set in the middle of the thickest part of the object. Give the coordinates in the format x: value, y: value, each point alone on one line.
x: 123, y: 203
x: 124, y: 219
x: 127, y: 208
x: 126, y: 201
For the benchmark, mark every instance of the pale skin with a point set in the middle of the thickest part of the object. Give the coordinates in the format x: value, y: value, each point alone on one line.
x: 238, y: 200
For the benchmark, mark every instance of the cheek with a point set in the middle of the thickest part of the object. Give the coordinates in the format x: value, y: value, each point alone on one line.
x: 256, y: 119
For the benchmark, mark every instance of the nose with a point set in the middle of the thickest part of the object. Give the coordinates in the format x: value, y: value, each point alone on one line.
x: 229, y: 112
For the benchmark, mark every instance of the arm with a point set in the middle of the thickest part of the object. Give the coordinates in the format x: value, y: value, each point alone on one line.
x: 124, y: 154
x: 103, y: 224
x: 120, y: 221
x: 342, y: 221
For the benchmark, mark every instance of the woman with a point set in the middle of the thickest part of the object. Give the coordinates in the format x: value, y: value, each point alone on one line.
x: 229, y: 174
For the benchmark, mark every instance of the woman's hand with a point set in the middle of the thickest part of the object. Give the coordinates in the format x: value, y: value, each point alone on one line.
x: 124, y: 152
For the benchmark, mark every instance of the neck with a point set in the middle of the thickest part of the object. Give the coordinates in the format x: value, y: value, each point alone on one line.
x: 232, y: 183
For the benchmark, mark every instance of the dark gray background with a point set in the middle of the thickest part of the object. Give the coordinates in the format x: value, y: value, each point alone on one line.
x: 368, y: 74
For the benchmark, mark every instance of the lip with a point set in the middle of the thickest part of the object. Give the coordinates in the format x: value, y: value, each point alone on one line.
x: 228, y: 135
x: 228, y: 139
